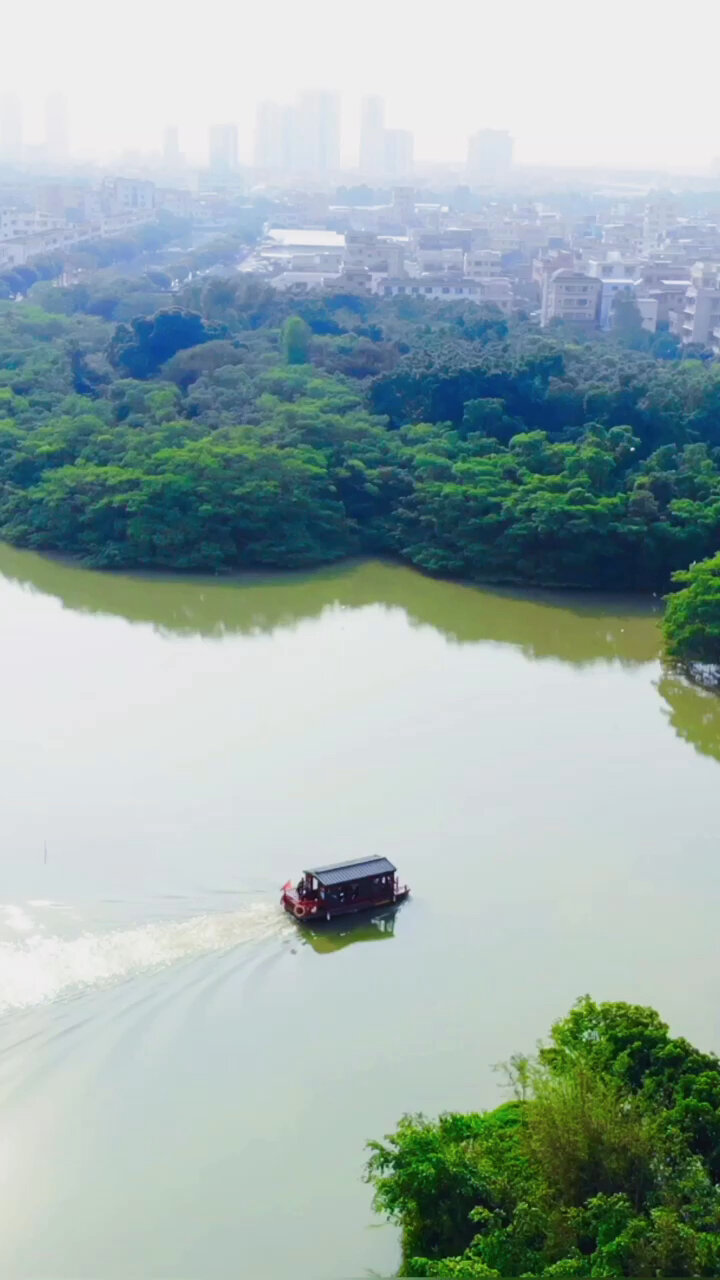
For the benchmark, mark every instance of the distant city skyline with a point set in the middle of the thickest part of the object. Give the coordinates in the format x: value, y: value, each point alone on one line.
x: 123, y: 89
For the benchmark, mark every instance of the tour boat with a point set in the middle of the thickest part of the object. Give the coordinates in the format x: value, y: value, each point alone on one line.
x: 342, y: 888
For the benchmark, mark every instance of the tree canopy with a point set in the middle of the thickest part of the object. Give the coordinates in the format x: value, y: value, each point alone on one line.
x: 442, y: 433
x: 607, y: 1163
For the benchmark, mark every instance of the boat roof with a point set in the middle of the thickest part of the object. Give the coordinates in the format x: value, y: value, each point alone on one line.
x: 358, y: 869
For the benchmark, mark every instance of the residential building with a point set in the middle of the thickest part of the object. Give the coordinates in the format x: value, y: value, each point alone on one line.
x: 372, y: 136
x: 11, y: 128
x: 571, y: 296
x: 223, y: 148
x: 657, y: 219
x: 174, y: 200
x: 649, y: 311
x: 124, y: 195
x: 403, y: 204
x: 446, y: 289
x: 365, y: 249
x: 668, y: 295
x: 700, y: 315
x: 489, y: 156
x: 613, y: 267
x: 662, y: 271
x: 497, y: 292
x: 438, y: 258
x: 22, y: 222
x: 57, y: 129
x: 483, y: 264
x: 302, y: 281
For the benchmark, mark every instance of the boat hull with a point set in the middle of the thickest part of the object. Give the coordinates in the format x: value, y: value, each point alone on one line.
x: 320, y: 912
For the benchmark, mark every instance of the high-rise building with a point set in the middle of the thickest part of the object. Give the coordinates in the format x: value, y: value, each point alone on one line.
x: 317, y: 141
x: 399, y: 147
x: 657, y: 218
x: 57, y: 129
x: 372, y: 135
x: 11, y: 127
x: 223, y: 148
x: 490, y: 154
x: 171, y: 144
x: 275, y: 137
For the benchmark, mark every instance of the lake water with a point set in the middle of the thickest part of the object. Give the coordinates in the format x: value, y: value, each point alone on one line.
x: 187, y: 1081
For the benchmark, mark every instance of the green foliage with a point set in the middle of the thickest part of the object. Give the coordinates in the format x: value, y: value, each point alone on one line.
x: 605, y: 1166
x: 444, y: 436
x: 296, y: 340
x: 692, y: 618
x: 138, y: 350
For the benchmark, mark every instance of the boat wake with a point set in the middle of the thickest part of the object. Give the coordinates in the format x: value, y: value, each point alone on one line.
x: 38, y: 968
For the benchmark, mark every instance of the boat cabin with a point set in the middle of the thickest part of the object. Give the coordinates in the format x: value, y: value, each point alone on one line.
x: 343, y: 887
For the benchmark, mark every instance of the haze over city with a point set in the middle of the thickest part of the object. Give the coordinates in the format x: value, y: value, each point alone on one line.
x: 569, y: 92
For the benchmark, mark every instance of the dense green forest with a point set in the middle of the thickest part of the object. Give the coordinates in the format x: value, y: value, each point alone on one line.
x: 225, y: 426
x: 606, y: 1163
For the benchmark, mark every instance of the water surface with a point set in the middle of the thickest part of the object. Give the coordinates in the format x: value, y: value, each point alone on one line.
x: 186, y: 1080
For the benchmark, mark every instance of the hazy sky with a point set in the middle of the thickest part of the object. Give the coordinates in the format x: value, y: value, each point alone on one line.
x: 626, y: 81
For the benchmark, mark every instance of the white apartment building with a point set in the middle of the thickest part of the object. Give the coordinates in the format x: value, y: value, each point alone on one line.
x: 448, y: 289
x: 699, y: 317
x: 21, y: 222
x: 571, y: 296
x: 367, y: 249
x: 482, y: 264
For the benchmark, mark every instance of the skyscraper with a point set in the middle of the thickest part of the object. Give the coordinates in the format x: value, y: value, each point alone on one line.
x: 317, y: 143
x: 11, y: 127
x: 274, y: 137
x: 57, y: 130
x: 372, y: 139
x: 490, y: 154
x: 223, y: 148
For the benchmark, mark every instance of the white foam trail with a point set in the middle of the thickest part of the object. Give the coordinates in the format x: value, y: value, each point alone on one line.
x: 41, y: 968
x: 16, y: 919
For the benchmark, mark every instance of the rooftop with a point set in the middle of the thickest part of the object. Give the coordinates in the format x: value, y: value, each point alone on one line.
x: 346, y: 872
x: 306, y: 238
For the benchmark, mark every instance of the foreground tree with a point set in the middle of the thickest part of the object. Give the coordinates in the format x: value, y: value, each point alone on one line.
x: 605, y: 1165
x: 692, y: 621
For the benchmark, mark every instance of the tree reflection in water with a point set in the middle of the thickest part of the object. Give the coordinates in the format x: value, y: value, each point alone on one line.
x: 335, y: 934
x: 693, y: 712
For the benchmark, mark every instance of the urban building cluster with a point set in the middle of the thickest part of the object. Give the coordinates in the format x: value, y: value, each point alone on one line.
x: 573, y: 259
x: 667, y: 265
x: 47, y: 219
x: 555, y: 267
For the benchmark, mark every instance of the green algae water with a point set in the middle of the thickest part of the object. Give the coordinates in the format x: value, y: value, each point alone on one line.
x: 187, y: 1080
